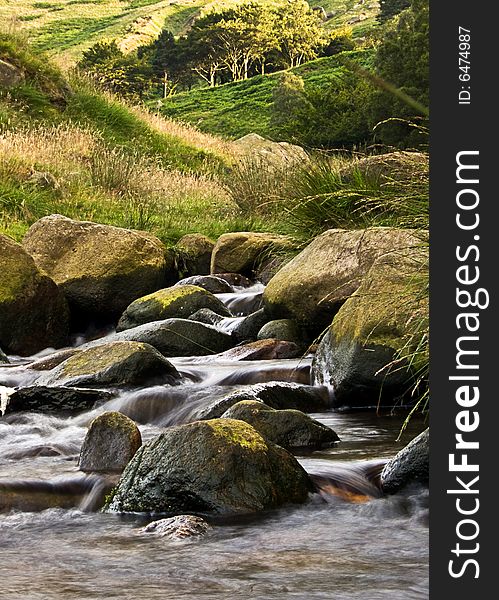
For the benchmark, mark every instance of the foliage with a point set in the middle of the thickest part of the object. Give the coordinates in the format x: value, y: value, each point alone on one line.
x: 290, y: 106
x: 390, y: 8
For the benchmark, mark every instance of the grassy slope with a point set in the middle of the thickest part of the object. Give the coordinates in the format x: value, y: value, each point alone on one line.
x: 67, y: 27
x: 235, y: 109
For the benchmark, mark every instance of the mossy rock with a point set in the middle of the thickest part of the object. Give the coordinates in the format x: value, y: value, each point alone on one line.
x: 193, y: 254
x: 119, y: 363
x: 177, y: 302
x: 111, y: 441
x: 210, y: 283
x: 410, y: 465
x: 243, y: 252
x: 100, y: 268
x: 287, y: 428
x: 220, y: 466
x: 283, y: 329
x: 33, y: 311
x: 312, y: 287
x: 384, y: 321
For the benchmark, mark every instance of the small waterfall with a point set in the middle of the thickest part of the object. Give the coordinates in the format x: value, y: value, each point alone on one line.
x: 243, y: 301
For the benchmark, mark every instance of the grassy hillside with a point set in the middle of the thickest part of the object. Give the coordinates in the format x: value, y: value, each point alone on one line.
x: 235, y: 109
x: 65, y: 28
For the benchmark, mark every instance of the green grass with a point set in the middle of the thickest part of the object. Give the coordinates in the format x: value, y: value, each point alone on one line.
x: 235, y: 109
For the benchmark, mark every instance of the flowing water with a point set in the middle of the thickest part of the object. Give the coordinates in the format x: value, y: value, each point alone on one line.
x: 347, y: 542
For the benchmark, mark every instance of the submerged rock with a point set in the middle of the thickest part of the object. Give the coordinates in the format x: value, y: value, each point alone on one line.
x: 33, y: 312
x: 410, y: 465
x: 45, y: 399
x: 110, y: 444
x: 221, y: 466
x: 177, y: 302
x: 210, y: 283
x: 193, y: 254
x: 178, y: 528
x: 122, y: 363
x: 286, y: 428
x: 100, y: 268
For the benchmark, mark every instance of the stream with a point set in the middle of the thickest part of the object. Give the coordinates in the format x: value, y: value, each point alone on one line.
x: 346, y: 543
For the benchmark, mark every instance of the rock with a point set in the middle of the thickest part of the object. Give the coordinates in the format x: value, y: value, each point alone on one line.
x: 410, y: 465
x: 392, y: 166
x: 242, y: 252
x: 262, y: 350
x: 3, y: 357
x: 10, y: 75
x: 119, y: 363
x: 276, y: 153
x: 286, y: 428
x: 381, y: 323
x: 178, y: 528
x: 210, y: 283
x: 206, y: 316
x: 247, y: 329
x: 111, y: 441
x: 55, y: 399
x: 193, y: 254
x: 178, y: 302
x: 282, y: 329
x: 312, y: 287
x: 278, y: 395
x: 178, y: 337
x: 33, y: 312
x: 100, y: 268
x: 52, y: 360
x: 235, y: 279
x: 221, y: 466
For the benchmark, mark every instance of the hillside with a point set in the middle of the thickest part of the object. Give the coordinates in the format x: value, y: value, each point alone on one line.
x: 235, y: 109
x: 65, y: 28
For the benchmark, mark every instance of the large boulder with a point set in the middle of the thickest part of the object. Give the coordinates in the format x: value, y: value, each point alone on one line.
x: 111, y: 441
x: 242, y: 252
x: 100, y: 268
x: 410, y: 465
x: 221, y: 466
x: 45, y: 399
x: 122, y: 363
x: 193, y: 254
x: 33, y: 312
x: 371, y: 352
x: 312, y: 287
x: 178, y: 337
x: 278, y: 154
x: 177, y: 302
x: 400, y: 167
x: 287, y: 428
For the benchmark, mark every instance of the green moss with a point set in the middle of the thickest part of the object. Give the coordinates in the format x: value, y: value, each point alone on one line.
x: 100, y: 358
x: 164, y: 298
x: 238, y: 433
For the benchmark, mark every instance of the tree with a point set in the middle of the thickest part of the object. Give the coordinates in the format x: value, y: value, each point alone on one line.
x: 390, y: 8
x: 290, y: 107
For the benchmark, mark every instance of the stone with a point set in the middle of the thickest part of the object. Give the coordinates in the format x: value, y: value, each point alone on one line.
x: 235, y: 279
x: 10, y: 75
x: 33, y: 312
x: 110, y: 444
x: 177, y: 302
x: 247, y: 329
x: 3, y: 357
x: 218, y: 466
x: 410, y: 465
x: 382, y: 324
x: 275, y: 153
x: 242, y: 252
x: 262, y: 350
x: 55, y: 399
x: 289, y: 428
x: 178, y: 528
x: 119, y: 363
x: 312, y: 287
x: 282, y: 329
x: 100, y: 268
x: 193, y: 254
x: 206, y: 316
x: 210, y: 283
x: 392, y: 166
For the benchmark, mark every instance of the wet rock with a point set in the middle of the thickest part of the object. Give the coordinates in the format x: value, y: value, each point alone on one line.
x: 382, y: 322
x: 206, y: 316
x: 178, y: 528
x: 286, y: 428
x: 245, y: 303
x: 312, y: 287
x: 221, y: 466
x: 3, y: 357
x: 178, y: 302
x: 277, y: 395
x: 410, y: 465
x: 210, y: 283
x: 55, y: 399
x: 100, y: 268
x: 247, y: 329
x: 33, y: 312
x: 262, y: 350
x: 235, y: 279
x: 282, y: 329
x: 110, y: 444
x: 122, y: 363
x: 242, y: 252
x: 50, y: 362
x: 178, y: 337
x: 193, y: 254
